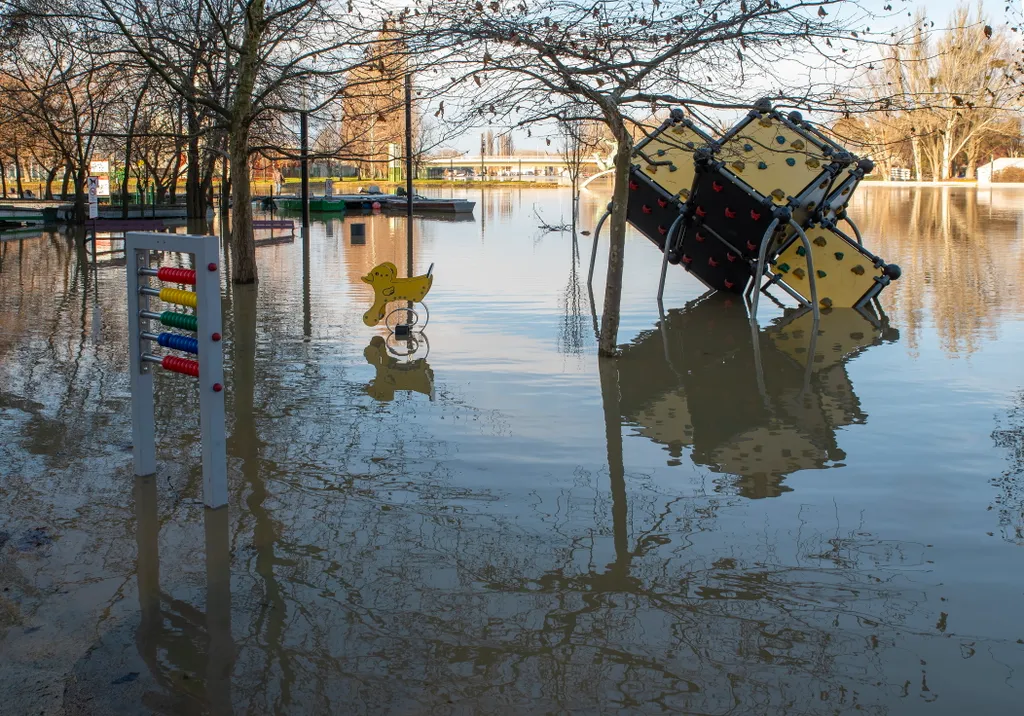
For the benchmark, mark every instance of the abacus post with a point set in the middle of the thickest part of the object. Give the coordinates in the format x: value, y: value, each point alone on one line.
x: 206, y: 344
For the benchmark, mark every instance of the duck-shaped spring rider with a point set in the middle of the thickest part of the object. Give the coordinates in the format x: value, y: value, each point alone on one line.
x: 387, y: 287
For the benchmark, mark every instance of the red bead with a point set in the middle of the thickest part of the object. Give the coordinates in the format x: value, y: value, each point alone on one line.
x: 215, y: 336
x: 217, y: 387
x: 211, y: 267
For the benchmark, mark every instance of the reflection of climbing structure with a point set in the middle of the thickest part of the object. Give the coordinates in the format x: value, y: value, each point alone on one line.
x: 761, y: 203
x: 394, y: 374
x: 755, y: 404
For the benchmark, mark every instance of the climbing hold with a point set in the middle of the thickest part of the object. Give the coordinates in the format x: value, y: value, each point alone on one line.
x: 731, y: 256
x: 798, y: 145
x: 754, y: 215
x: 780, y: 139
x: 684, y: 194
x: 633, y: 185
x: 699, y: 211
x: 738, y: 166
x: 662, y: 230
x: 799, y: 273
x: 839, y: 255
x: 699, y: 237
x: 751, y: 246
x: 820, y: 241
x: 661, y: 152
x: 821, y: 274
x: 748, y: 147
x: 672, y: 167
x: 729, y: 213
x: 646, y: 209
x: 762, y: 165
x: 790, y: 161
x: 715, y: 186
x: 765, y: 122
x: 728, y: 284
x: 801, y: 251
x: 662, y: 203
x: 826, y: 302
x: 687, y: 259
x: 711, y: 262
x: 778, y: 194
x: 813, y: 163
x: 858, y: 269
x: 783, y: 268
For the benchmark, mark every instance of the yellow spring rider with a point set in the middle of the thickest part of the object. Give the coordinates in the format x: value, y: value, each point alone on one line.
x: 388, y: 288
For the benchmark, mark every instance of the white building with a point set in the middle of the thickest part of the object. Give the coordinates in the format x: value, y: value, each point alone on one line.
x: 986, y: 171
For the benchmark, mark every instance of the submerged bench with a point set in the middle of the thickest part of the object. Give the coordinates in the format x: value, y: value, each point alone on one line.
x: 115, y: 225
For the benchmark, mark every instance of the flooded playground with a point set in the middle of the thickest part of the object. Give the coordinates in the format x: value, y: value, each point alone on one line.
x: 725, y: 519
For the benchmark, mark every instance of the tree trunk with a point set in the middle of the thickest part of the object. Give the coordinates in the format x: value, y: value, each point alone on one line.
x: 195, y: 202
x: 50, y: 176
x: 17, y: 173
x: 608, y: 343
x: 3, y: 178
x: 67, y: 182
x: 915, y: 146
x: 81, y: 210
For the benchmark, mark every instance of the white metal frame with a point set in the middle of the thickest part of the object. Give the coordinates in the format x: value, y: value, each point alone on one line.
x: 206, y: 253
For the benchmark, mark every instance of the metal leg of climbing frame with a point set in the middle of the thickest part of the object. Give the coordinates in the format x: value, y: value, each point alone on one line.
x: 762, y: 255
x: 593, y: 251
x: 670, y: 242
x: 810, y: 355
x: 856, y: 231
x: 810, y: 270
x: 755, y: 338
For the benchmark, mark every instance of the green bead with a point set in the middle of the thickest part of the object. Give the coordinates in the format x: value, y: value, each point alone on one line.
x: 183, y: 321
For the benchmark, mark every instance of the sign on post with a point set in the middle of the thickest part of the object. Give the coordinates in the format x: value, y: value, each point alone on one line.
x: 94, y: 202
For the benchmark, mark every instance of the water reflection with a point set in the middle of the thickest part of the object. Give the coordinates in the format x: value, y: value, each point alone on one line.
x: 189, y: 654
x: 756, y: 404
x: 397, y: 371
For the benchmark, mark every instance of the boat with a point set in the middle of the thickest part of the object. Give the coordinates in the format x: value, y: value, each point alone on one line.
x: 317, y: 204
x: 422, y: 204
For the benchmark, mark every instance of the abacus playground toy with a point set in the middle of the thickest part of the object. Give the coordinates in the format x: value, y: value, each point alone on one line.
x: 388, y: 288
x: 203, y: 340
x: 757, y: 207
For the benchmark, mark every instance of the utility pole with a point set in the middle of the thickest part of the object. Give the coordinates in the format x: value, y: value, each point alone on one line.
x: 304, y: 142
x: 408, y: 172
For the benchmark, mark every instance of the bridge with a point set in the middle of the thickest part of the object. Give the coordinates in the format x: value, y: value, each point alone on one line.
x: 551, y: 165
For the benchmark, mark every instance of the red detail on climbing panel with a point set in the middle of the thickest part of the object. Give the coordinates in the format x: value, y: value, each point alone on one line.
x: 754, y: 215
x: 716, y: 186
x: 711, y: 262
x: 700, y: 212
x: 729, y: 213
x: 646, y: 209
x: 751, y: 246
x: 176, y: 275
x: 731, y: 257
x: 633, y: 185
x: 662, y: 230
x: 728, y: 283
x: 662, y: 203
x: 687, y: 259
x: 700, y: 238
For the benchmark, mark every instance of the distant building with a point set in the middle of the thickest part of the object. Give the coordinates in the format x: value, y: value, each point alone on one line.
x: 373, y: 107
x: 986, y: 171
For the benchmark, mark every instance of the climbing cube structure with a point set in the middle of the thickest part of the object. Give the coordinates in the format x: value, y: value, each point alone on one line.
x: 761, y: 203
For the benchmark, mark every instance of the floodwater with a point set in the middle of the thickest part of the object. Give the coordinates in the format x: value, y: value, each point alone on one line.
x: 720, y: 521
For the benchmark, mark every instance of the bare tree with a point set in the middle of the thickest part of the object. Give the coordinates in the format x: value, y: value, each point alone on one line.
x: 539, y: 60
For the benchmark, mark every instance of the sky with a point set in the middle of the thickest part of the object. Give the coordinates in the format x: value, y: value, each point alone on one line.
x: 938, y: 11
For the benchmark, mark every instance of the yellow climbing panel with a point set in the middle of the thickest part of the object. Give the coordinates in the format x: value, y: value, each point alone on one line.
x: 843, y: 273
x: 676, y: 145
x: 841, y: 333
x: 774, y: 159
x: 387, y: 287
